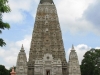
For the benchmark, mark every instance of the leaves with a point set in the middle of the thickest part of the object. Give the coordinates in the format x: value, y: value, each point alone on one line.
x: 0, y: 31
x: 4, y: 8
x: 2, y: 43
x: 3, y: 70
x: 91, y: 63
x: 4, y: 25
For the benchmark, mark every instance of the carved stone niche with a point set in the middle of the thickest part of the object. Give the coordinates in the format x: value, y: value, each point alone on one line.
x: 48, y: 65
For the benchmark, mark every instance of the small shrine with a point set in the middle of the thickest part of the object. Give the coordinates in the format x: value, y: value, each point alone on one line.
x: 13, y: 72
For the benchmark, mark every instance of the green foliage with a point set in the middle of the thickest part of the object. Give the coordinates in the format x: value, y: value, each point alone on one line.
x: 3, y: 70
x: 3, y: 26
x: 2, y: 43
x: 91, y: 63
x: 4, y: 8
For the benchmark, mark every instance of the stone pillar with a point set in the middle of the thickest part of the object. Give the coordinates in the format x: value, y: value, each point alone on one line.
x: 13, y: 72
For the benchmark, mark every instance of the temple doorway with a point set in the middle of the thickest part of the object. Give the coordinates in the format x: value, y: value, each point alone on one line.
x: 47, y: 72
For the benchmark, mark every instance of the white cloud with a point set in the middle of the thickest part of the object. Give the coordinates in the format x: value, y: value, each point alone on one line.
x: 14, y: 16
x: 18, y: 9
x: 71, y: 17
x: 10, y: 53
x: 97, y: 48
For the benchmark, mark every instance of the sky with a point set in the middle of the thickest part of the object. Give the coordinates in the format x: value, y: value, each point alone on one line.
x: 79, y: 22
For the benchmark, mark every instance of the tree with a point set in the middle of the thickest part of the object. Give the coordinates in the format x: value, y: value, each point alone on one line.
x: 3, y: 70
x: 4, y: 8
x: 91, y: 63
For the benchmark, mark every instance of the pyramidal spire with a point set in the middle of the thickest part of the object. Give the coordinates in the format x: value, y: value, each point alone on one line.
x: 22, y: 59
x: 22, y: 48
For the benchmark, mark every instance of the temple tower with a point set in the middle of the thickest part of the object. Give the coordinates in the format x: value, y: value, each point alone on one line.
x: 73, y: 64
x: 21, y: 65
x: 47, y: 44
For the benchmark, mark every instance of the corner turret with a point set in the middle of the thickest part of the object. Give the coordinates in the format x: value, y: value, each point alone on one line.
x: 21, y: 65
x: 73, y: 64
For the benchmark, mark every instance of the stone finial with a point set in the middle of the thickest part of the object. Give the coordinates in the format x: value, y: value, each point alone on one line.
x: 22, y: 48
x: 73, y: 47
x: 13, y: 72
